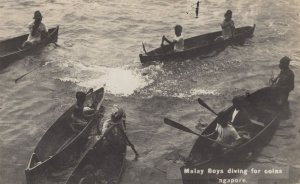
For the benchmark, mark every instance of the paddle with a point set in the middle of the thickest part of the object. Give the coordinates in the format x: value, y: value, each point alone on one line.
x: 186, y: 129
x: 201, y: 102
x: 16, y: 80
x: 129, y: 143
x: 144, y: 48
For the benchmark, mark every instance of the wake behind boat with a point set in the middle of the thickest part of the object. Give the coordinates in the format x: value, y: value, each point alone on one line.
x: 11, y: 49
x: 197, y: 46
x: 60, y: 146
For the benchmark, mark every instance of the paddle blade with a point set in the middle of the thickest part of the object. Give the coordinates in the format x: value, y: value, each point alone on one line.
x: 201, y: 102
x: 16, y: 80
x: 178, y: 126
x: 186, y: 129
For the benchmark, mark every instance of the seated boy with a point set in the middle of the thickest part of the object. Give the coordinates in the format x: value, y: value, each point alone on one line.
x: 178, y: 41
x: 81, y: 114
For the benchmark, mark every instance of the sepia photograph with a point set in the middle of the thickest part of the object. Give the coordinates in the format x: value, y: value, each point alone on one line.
x: 149, y: 92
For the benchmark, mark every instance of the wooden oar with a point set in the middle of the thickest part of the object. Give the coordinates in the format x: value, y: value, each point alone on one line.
x: 186, y: 129
x: 179, y: 126
x: 16, y: 80
x: 201, y: 102
x: 144, y: 48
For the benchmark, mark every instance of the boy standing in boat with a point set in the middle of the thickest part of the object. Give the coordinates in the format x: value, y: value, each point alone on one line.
x: 37, y: 30
x: 117, y: 119
x: 284, y: 82
x: 178, y: 41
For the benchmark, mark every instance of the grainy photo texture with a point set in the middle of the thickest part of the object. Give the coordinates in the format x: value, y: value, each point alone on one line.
x: 149, y: 92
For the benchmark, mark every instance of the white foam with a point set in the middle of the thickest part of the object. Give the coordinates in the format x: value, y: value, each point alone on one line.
x: 118, y: 81
x: 69, y: 79
x: 200, y: 91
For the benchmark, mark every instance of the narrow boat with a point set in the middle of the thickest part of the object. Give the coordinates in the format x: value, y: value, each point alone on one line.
x: 264, y: 114
x: 11, y: 49
x: 197, y: 46
x: 60, y: 146
x: 103, y: 163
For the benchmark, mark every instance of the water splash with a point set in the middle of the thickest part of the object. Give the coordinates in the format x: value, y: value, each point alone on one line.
x: 118, y: 81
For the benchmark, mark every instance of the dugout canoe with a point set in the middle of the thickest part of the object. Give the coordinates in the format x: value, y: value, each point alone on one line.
x: 197, y: 46
x: 60, y: 146
x: 10, y: 49
x: 103, y: 163
x: 263, y: 111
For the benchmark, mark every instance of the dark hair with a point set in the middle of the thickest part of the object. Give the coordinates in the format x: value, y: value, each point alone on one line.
x: 80, y: 96
x: 178, y: 27
x: 37, y: 15
x: 240, y: 101
x: 285, y: 62
x: 237, y: 101
x: 228, y: 13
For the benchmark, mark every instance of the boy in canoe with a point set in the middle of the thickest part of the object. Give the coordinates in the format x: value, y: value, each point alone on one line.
x: 228, y: 28
x: 239, y: 116
x: 227, y: 134
x: 117, y: 119
x: 81, y: 114
x: 37, y: 30
x: 178, y: 41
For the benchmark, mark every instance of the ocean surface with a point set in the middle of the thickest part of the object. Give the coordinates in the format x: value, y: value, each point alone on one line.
x: 99, y: 45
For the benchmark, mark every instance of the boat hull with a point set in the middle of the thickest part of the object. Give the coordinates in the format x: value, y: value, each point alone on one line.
x: 60, y: 147
x: 10, y: 49
x: 197, y: 46
x: 105, y: 157
x: 236, y: 157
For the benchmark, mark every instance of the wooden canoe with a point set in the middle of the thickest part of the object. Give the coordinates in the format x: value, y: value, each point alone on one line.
x: 60, y: 146
x: 264, y: 113
x: 10, y: 49
x: 107, y: 160
x: 197, y: 46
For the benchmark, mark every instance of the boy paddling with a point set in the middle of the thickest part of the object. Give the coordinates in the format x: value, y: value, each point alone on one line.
x: 117, y: 119
x: 178, y: 41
